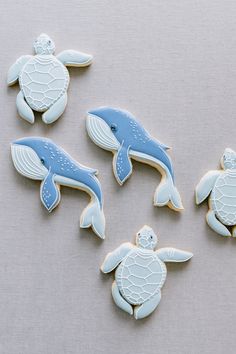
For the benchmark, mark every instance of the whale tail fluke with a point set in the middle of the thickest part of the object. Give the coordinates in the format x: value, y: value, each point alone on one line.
x: 93, y: 217
x: 167, y: 194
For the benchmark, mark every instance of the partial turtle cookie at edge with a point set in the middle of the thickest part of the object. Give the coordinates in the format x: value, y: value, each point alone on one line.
x: 140, y: 272
x: 118, y: 131
x: 219, y: 187
x: 44, y: 79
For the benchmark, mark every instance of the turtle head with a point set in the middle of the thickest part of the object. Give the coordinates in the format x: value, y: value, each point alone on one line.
x: 228, y: 160
x: 44, y: 45
x: 146, y: 238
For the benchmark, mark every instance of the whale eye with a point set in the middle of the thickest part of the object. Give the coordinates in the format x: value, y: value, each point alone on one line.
x: 114, y: 127
x: 42, y: 160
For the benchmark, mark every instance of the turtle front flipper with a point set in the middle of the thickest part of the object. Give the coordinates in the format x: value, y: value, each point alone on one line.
x: 23, y: 109
x: 56, y: 110
x: 15, y: 69
x: 147, y: 307
x: 74, y: 58
x: 216, y: 225
x: 119, y: 300
x: 206, y: 185
x: 114, y: 258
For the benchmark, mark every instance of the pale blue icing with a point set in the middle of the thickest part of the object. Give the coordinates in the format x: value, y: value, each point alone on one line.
x: 44, y: 79
x: 140, y: 272
x: 131, y: 135
x: 118, y: 131
x: 219, y: 187
x: 58, y: 162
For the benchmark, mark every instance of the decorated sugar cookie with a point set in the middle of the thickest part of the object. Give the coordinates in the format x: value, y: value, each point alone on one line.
x: 118, y: 131
x: 220, y: 188
x: 44, y: 79
x: 140, y: 272
x: 41, y: 159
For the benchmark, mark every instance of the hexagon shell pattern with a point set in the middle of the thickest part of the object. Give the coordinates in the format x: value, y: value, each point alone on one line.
x: 140, y: 276
x: 223, y: 198
x: 43, y: 80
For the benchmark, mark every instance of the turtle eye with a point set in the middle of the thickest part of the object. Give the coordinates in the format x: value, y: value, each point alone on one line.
x: 138, y: 233
x: 49, y: 42
x: 151, y: 237
x: 42, y: 160
x: 114, y: 127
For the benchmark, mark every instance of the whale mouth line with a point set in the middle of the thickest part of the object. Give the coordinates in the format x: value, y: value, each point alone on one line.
x: 27, y: 162
x: 100, y: 133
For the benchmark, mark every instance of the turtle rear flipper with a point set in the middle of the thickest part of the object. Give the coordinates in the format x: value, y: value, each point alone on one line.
x: 147, y: 307
x: 216, y: 225
x: 56, y: 110
x: 24, y: 109
x: 120, y: 301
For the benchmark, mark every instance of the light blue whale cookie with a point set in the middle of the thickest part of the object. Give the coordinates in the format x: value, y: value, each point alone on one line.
x: 118, y: 131
x: 41, y: 159
x: 140, y: 272
x: 220, y: 188
x: 44, y: 79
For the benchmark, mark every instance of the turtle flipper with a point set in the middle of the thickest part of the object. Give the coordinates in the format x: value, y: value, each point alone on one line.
x: 170, y: 254
x: 216, y: 225
x: 120, y: 301
x: 74, y: 58
x: 205, y: 185
x: 147, y: 307
x: 56, y: 110
x: 23, y: 109
x: 15, y: 69
x: 114, y: 258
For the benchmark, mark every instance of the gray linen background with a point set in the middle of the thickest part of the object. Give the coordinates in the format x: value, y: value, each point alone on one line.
x: 173, y: 65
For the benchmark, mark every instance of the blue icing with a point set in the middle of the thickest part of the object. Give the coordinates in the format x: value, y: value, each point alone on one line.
x: 49, y: 192
x: 58, y: 162
x: 132, y: 135
x: 123, y: 163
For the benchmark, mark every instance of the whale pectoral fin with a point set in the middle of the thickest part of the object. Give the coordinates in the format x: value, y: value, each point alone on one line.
x: 49, y: 192
x: 122, y: 164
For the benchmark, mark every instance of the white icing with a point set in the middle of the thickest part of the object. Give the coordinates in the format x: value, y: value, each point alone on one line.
x: 74, y: 58
x: 101, y: 134
x: 27, y: 162
x: 44, y: 79
x: 140, y: 272
x: 166, y: 193
x: 220, y: 188
x: 92, y: 215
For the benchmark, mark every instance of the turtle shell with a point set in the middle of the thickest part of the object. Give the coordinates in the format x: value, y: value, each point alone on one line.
x: 140, y: 276
x: 43, y: 80
x: 223, y: 198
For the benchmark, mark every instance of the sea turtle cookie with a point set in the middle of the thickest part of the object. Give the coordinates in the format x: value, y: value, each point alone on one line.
x: 220, y: 188
x: 41, y: 159
x: 44, y: 79
x: 118, y: 131
x: 140, y: 272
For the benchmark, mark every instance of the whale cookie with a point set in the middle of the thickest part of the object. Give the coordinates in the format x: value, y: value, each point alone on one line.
x: 118, y: 131
x: 40, y: 159
x: 44, y: 79
x: 140, y: 272
x: 219, y: 187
